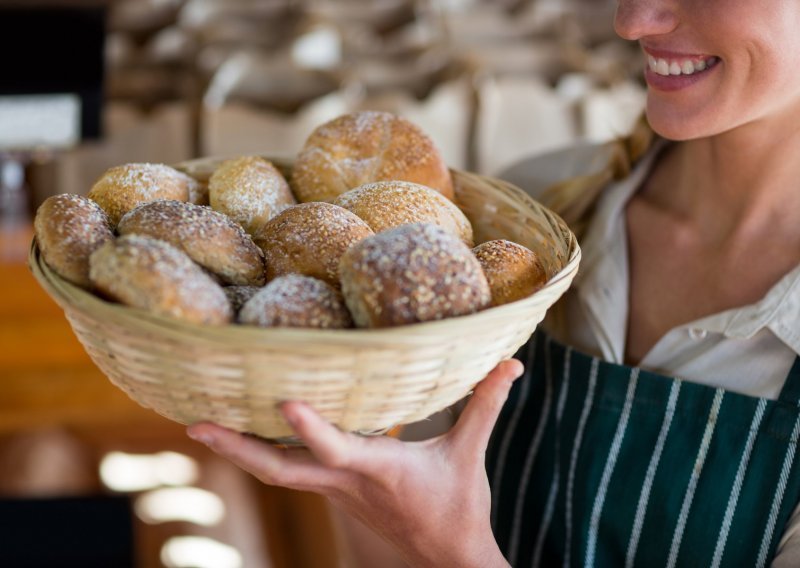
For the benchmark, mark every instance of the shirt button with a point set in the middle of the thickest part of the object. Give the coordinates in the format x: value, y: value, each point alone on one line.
x: 697, y: 333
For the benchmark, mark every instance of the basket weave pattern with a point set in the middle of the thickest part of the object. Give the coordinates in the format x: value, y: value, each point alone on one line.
x: 361, y: 380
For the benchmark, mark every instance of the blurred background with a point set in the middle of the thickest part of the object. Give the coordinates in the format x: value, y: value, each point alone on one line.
x: 88, y: 478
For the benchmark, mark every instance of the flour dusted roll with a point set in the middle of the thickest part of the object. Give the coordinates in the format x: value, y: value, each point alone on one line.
x: 122, y: 188
x: 295, y: 300
x: 513, y: 271
x: 363, y: 147
x: 388, y: 204
x: 153, y: 275
x: 69, y: 228
x: 309, y: 239
x: 250, y: 190
x: 210, y: 238
x: 410, y: 274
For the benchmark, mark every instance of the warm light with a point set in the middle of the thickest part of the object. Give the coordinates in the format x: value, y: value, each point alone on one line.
x: 180, y: 504
x: 199, y: 552
x: 136, y: 472
x: 318, y: 49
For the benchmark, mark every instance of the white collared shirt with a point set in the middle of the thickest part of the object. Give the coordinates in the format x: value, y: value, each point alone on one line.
x: 748, y: 349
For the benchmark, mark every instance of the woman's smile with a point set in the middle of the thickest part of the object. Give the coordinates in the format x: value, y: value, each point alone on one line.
x: 667, y: 71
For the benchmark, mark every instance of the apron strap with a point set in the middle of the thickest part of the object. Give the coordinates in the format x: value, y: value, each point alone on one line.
x: 790, y: 393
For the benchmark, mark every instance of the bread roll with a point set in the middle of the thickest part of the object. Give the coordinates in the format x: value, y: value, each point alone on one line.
x: 410, y: 274
x: 309, y: 239
x: 152, y: 275
x: 210, y: 238
x: 249, y: 190
x: 388, y: 204
x: 363, y: 147
x: 297, y: 301
x: 513, y: 271
x: 69, y: 228
x: 122, y: 188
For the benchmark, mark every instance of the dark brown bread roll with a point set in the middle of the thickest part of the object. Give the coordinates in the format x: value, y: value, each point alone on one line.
x: 250, y: 190
x: 363, y: 147
x: 122, y: 188
x: 153, y: 275
x: 69, y: 228
x: 388, y: 204
x: 309, y: 239
x: 513, y: 271
x: 297, y: 301
x: 410, y: 274
x: 210, y: 238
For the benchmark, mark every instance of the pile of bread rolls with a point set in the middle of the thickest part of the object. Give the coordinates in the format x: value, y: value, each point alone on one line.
x: 363, y: 234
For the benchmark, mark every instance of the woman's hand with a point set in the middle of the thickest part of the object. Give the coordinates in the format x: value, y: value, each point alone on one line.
x: 429, y: 499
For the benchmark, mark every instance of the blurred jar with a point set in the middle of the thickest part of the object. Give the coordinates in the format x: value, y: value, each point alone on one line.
x: 15, y: 221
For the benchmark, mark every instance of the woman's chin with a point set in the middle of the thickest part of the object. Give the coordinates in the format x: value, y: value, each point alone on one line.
x: 672, y: 125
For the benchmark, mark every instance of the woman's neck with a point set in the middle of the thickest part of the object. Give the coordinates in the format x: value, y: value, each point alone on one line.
x: 733, y: 183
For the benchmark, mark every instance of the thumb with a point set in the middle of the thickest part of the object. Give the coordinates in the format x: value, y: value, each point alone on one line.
x: 477, y: 420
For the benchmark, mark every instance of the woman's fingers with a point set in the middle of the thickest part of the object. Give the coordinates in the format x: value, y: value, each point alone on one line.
x: 475, y: 425
x: 292, y: 467
x: 332, y: 447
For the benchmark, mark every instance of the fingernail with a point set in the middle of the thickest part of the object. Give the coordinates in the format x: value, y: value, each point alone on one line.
x: 292, y: 414
x: 202, y: 437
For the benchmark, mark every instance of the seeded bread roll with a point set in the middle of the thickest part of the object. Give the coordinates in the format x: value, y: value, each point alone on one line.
x: 411, y: 274
x: 69, y: 228
x: 297, y: 301
x: 363, y: 147
x: 239, y: 295
x: 513, y: 271
x: 388, y: 204
x: 250, y: 190
x: 309, y: 239
x: 210, y: 238
x: 122, y: 188
x: 153, y: 275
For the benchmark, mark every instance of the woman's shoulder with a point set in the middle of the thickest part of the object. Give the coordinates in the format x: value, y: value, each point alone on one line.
x: 537, y: 173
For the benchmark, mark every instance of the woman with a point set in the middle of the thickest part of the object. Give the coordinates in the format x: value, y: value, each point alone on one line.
x: 666, y: 433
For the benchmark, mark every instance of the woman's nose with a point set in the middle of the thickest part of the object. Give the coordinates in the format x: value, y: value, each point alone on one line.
x: 636, y: 19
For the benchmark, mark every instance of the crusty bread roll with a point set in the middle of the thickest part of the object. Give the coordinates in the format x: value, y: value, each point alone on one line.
x: 388, y: 204
x: 513, y: 271
x: 239, y: 295
x: 309, y: 239
x: 69, y: 228
x: 122, y: 188
x: 363, y: 147
x: 410, y: 274
x: 153, y: 275
x: 295, y: 300
x: 210, y: 238
x: 250, y: 190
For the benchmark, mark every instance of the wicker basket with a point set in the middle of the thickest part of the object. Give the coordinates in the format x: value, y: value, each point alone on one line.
x: 362, y: 380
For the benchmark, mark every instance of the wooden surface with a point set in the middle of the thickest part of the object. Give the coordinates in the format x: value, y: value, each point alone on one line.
x: 46, y: 378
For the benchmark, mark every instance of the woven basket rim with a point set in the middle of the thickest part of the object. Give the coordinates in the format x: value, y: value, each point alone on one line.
x: 78, y: 298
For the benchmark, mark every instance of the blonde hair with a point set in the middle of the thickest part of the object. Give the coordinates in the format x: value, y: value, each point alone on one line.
x: 574, y: 199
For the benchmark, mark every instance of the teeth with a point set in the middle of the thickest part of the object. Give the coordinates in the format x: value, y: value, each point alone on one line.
x: 686, y: 67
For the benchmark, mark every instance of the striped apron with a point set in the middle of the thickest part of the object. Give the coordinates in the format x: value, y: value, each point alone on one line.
x: 598, y: 464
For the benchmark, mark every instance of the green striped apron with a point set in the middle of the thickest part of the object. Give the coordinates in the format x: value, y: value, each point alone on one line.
x: 598, y: 464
